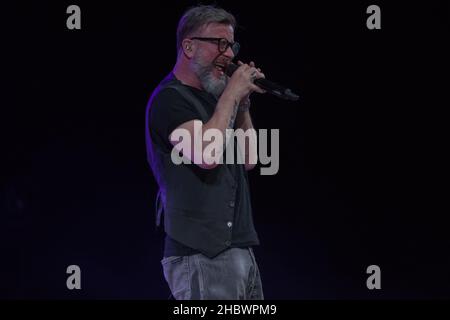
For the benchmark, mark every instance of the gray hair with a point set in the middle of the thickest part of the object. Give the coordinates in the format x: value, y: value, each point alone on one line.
x: 196, y: 17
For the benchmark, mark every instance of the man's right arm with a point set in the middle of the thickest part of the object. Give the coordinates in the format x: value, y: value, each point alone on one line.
x: 239, y: 86
x: 219, y: 120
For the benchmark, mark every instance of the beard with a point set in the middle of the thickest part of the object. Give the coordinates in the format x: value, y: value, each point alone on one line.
x: 211, y: 84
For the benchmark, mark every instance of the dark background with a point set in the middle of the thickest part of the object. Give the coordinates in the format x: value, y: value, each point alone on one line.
x: 362, y: 170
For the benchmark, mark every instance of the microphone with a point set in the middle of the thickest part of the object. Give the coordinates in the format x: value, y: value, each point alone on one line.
x: 267, y: 85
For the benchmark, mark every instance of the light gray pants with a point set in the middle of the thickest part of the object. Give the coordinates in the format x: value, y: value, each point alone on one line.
x: 231, y: 275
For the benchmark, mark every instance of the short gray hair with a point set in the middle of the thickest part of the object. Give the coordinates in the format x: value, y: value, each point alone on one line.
x: 196, y: 17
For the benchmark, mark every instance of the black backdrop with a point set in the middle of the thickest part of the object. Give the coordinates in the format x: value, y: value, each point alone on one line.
x: 361, y: 177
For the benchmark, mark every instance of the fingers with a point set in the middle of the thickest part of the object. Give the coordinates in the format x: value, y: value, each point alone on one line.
x: 259, y: 73
x: 243, y: 66
x: 252, y: 73
x: 255, y: 88
x: 251, y: 65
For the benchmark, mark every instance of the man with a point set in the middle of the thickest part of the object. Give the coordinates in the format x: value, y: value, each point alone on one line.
x: 207, y: 212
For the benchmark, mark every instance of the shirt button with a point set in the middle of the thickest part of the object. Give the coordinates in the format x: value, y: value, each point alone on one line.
x: 232, y: 204
x: 227, y: 243
x: 229, y: 224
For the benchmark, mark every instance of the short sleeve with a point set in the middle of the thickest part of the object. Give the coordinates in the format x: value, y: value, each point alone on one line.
x: 169, y: 110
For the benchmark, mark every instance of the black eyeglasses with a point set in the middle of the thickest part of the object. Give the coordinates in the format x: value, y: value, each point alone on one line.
x: 222, y: 44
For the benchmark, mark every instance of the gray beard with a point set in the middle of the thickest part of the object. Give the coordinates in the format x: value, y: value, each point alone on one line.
x: 209, y: 82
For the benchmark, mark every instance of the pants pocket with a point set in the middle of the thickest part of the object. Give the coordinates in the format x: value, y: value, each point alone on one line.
x: 176, y: 273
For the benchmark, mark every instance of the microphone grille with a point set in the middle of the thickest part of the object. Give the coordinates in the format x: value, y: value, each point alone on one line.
x: 230, y: 69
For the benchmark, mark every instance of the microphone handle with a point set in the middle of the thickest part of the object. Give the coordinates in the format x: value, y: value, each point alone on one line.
x: 268, y: 85
x: 276, y: 89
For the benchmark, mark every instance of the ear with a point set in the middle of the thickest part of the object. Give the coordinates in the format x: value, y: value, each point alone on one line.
x: 188, y: 48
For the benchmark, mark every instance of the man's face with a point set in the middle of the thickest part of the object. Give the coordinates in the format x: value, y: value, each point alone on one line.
x: 208, y: 58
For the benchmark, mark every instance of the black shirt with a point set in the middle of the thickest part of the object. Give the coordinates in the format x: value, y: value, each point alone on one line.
x: 168, y: 111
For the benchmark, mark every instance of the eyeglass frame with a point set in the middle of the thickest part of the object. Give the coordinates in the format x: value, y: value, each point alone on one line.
x: 218, y: 40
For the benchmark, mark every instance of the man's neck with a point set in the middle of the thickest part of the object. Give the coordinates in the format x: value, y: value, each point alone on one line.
x: 186, y: 76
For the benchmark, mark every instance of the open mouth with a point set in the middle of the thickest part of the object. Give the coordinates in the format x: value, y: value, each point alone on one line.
x: 220, y: 67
